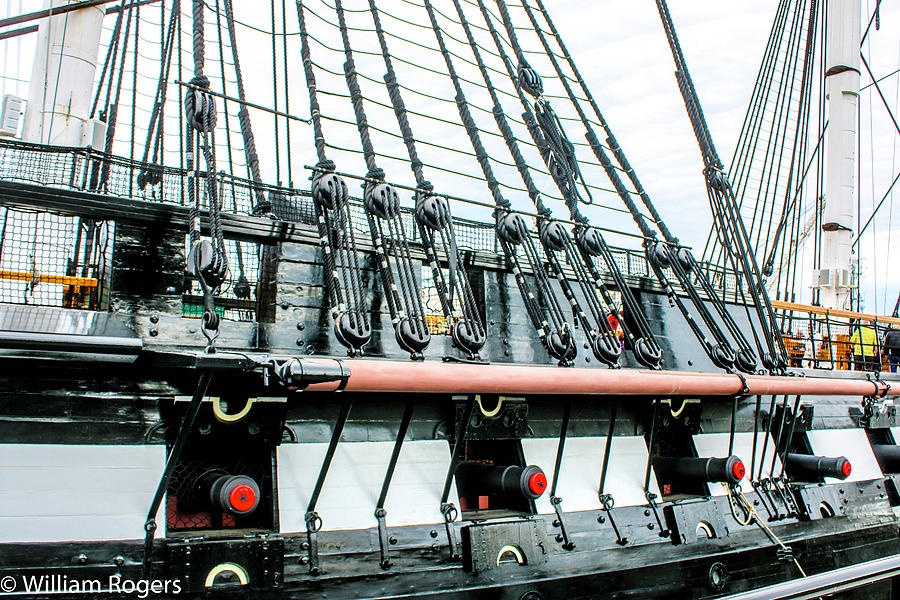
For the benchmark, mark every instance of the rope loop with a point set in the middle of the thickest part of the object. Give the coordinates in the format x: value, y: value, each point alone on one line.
x: 326, y: 165
x: 377, y: 173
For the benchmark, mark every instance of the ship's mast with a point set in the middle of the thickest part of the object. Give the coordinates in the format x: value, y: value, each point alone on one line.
x: 62, y: 78
x: 833, y: 279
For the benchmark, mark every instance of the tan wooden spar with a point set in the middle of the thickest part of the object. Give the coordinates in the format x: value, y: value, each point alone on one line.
x: 369, y: 375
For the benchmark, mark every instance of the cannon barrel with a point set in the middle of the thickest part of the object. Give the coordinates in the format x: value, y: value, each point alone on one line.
x: 711, y: 470
x: 807, y: 467
x: 504, y: 480
x: 888, y: 456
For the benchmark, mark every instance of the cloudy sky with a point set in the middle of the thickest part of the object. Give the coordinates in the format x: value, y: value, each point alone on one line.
x: 619, y: 47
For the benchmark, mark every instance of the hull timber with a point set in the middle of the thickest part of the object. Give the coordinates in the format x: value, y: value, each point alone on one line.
x: 161, y: 440
x: 74, y: 415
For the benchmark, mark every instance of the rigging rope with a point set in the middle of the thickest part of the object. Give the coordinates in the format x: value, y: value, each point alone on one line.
x: 334, y: 220
x: 435, y: 222
x: 554, y: 331
x: 558, y: 153
x: 730, y: 225
x: 659, y: 255
x: 382, y: 206
x: 150, y: 172
x: 207, y: 260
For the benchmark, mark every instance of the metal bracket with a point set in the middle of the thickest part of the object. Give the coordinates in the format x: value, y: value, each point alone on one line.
x: 380, y: 513
x: 793, y: 508
x: 174, y: 455
x: 663, y: 530
x: 448, y: 510
x: 651, y: 497
x: 763, y: 495
x: 606, y: 500
x: 313, y: 520
x: 383, y: 540
x: 487, y: 545
x: 688, y: 518
x: 563, y: 536
x: 878, y: 413
x: 820, y: 501
x: 776, y: 496
x: 784, y: 553
x: 313, y: 525
x: 555, y: 500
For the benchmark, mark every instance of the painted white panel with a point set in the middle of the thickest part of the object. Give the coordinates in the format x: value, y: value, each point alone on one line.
x: 716, y: 445
x: 852, y: 443
x: 582, y: 464
x: 354, y: 480
x: 56, y: 492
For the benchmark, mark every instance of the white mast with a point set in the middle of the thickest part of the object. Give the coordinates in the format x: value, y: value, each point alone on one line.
x: 62, y: 78
x: 841, y: 186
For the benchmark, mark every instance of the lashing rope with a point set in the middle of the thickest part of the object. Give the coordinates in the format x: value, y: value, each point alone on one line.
x: 151, y: 173
x: 558, y: 153
x: 725, y: 210
x: 435, y: 224
x: 382, y: 206
x: 512, y: 232
x: 207, y: 260
x: 334, y: 221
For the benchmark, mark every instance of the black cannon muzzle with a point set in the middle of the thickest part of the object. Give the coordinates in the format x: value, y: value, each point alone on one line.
x: 888, y: 456
x: 234, y: 494
x: 504, y: 480
x: 807, y: 467
x: 711, y: 470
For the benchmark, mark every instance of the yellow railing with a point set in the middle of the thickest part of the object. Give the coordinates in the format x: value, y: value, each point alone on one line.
x: 817, y: 337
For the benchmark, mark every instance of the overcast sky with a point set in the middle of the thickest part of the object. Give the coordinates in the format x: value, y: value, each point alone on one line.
x: 621, y: 50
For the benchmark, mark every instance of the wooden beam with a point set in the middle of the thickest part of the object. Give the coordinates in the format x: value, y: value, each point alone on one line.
x: 829, y: 312
x: 43, y: 278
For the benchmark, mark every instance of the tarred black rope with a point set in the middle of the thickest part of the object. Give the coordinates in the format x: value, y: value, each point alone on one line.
x: 334, y: 221
x: 435, y: 223
x: 112, y: 115
x: 610, y: 140
x: 512, y: 231
x: 151, y: 173
x: 554, y: 237
x: 244, y: 116
x: 382, y: 206
x: 558, y: 153
x: 591, y: 137
x: 207, y: 260
x: 726, y: 210
x: 799, y: 139
x: 509, y: 137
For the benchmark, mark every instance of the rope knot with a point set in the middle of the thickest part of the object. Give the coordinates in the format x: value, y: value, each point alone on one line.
x: 377, y: 173
x: 326, y: 165
x: 426, y: 186
x: 200, y: 81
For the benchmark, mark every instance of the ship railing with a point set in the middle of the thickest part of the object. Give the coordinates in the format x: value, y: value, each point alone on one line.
x: 83, y: 169
x: 822, y: 338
